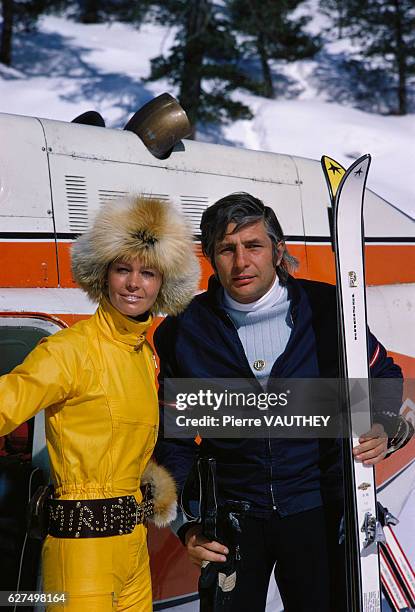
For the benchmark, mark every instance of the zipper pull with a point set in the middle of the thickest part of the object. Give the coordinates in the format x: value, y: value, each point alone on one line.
x: 140, y: 341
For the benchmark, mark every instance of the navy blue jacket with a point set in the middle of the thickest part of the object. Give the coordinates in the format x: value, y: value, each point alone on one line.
x: 288, y: 475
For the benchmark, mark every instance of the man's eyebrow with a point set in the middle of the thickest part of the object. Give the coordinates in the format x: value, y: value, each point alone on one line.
x: 224, y: 241
x: 252, y: 240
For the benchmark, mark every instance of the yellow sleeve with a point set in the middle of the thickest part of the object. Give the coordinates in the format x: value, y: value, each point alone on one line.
x: 46, y: 377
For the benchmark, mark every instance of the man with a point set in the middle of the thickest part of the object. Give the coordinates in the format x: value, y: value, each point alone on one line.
x: 257, y: 321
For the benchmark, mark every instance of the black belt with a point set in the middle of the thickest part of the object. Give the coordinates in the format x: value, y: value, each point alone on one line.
x: 96, y: 518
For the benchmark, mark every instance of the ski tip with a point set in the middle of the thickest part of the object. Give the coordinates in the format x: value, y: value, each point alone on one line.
x: 361, y: 160
x: 333, y: 173
x: 331, y: 164
x: 361, y: 166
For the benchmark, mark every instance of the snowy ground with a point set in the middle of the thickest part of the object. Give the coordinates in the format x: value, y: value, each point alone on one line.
x: 67, y: 68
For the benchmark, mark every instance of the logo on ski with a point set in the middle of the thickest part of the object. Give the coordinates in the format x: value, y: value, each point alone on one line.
x: 352, y: 279
x: 358, y: 172
x: 364, y: 486
x: 334, y: 169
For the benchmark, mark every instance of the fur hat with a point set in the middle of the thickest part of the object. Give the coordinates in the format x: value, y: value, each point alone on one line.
x: 143, y: 227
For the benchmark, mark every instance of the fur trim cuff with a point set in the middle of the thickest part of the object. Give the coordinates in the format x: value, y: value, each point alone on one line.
x: 163, y: 490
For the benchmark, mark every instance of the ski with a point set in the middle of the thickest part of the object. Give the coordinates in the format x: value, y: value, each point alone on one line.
x: 391, y: 586
x: 362, y: 529
x: 401, y: 565
x: 395, y: 555
x: 397, y: 575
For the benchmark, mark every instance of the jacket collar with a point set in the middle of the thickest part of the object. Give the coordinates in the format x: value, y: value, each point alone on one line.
x: 214, y: 292
x: 119, y: 328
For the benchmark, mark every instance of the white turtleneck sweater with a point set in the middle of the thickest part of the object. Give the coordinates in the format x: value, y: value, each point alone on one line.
x: 263, y: 326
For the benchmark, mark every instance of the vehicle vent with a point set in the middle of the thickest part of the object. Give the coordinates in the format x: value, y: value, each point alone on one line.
x: 106, y: 195
x: 159, y: 196
x: 77, y: 198
x: 193, y: 207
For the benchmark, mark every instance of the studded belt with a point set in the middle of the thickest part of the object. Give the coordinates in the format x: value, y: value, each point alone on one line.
x: 96, y: 518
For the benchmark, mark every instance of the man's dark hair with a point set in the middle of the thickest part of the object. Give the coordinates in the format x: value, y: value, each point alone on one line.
x: 243, y: 209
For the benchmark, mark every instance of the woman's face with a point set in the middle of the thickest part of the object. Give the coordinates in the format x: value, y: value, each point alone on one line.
x: 133, y: 287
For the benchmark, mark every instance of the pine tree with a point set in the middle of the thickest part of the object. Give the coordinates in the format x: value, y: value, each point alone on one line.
x: 7, y: 10
x: 20, y: 14
x: 127, y: 11
x: 203, y: 62
x: 90, y: 11
x: 386, y: 30
x: 272, y: 32
x: 382, y: 68
x: 339, y: 13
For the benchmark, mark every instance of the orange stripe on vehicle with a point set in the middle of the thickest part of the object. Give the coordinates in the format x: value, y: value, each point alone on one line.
x: 385, y: 264
x: 320, y: 263
x: 28, y: 264
x: 408, y: 369
x: 390, y: 264
x: 64, y: 258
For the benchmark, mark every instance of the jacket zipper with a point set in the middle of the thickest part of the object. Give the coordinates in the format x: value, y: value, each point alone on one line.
x: 274, y: 503
x: 247, y: 366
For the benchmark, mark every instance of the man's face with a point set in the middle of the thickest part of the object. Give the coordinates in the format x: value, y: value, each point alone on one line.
x: 244, y: 262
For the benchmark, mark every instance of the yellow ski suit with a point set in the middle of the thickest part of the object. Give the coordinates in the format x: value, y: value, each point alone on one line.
x: 96, y: 382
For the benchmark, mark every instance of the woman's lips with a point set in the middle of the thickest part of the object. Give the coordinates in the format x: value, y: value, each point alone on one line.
x: 131, y: 299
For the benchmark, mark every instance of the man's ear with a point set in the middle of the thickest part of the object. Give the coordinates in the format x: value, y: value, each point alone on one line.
x: 279, y: 252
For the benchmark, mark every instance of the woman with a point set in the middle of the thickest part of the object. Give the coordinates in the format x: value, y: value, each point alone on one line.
x: 96, y: 381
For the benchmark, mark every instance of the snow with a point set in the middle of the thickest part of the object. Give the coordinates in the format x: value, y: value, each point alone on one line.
x: 66, y: 68
x: 315, y: 128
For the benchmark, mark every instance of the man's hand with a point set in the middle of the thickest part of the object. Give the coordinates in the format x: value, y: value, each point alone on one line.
x: 372, y: 446
x: 201, y: 549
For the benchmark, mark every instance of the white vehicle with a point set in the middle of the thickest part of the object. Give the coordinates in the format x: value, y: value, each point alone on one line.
x: 55, y: 175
